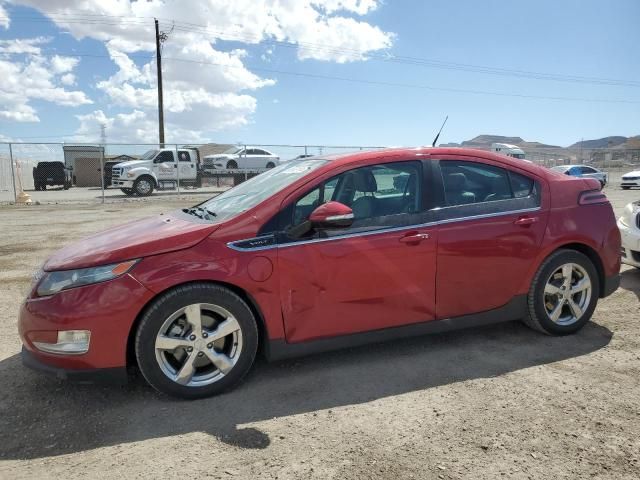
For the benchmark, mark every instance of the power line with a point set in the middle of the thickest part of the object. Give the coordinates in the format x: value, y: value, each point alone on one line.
x: 187, y: 27
x: 371, y: 82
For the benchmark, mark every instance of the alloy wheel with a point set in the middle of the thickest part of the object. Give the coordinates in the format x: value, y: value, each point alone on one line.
x: 567, y: 294
x: 198, y: 344
x: 144, y: 186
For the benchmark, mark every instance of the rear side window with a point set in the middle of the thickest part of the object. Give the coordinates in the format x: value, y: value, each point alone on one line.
x: 467, y: 182
x: 472, y: 188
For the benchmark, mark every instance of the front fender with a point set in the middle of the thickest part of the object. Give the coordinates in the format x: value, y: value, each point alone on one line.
x: 252, y: 273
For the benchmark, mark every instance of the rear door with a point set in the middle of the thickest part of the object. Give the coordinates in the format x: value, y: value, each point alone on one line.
x: 378, y: 273
x: 491, y: 225
x: 187, y: 165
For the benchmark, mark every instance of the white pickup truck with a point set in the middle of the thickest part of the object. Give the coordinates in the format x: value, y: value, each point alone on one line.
x: 157, y: 169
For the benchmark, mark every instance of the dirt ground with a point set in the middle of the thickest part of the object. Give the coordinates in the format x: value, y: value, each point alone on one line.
x: 499, y: 401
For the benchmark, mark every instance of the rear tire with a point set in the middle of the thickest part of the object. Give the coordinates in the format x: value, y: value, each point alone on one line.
x: 626, y: 188
x: 557, y: 306
x: 178, y: 358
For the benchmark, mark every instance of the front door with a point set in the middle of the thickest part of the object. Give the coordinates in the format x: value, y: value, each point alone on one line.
x: 165, y: 166
x: 376, y: 274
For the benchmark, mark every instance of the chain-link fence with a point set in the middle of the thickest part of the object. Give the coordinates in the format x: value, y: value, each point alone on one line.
x: 73, y: 173
x: 67, y: 173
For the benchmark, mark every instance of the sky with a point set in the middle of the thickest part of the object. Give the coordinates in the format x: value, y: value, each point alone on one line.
x: 330, y: 72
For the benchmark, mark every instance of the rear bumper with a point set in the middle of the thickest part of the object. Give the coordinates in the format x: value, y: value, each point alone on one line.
x: 611, y: 284
x: 109, y: 375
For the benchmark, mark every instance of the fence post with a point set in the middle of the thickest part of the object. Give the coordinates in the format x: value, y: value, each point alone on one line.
x: 102, y: 171
x: 305, y: 150
x: 245, y: 162
x: 177, y: 159
x: 13, y: 175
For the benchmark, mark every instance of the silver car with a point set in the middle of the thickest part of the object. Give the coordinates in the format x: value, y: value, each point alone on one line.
x: 252, y: 158
x: 583, y: 171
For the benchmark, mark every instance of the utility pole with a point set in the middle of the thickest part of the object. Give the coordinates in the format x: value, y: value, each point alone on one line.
x: 159, y: 70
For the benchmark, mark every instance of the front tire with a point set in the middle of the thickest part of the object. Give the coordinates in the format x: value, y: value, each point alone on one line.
x: 128, y: 191
x: 563, y: 294
x: 232, y: 165
x: 143, y: 186
x: 626, y: 188
x: 196, y: 341
x: 271, y: 165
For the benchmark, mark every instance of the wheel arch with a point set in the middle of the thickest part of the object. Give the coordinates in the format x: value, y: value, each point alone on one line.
x: 151, y: 176
x: 248, y: 299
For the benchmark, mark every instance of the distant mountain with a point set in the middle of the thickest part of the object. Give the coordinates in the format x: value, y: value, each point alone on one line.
x: 485, y: 141
x: 606, y: 142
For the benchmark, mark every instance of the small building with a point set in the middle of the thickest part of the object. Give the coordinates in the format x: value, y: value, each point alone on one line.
x: 85, y: 160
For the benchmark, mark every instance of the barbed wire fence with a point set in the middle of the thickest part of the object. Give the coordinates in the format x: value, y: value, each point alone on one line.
x: 50, y: 173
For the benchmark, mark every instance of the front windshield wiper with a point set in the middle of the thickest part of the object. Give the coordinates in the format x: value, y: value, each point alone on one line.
x: 200, y: 212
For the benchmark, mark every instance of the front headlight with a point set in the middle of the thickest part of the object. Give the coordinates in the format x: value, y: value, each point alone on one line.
x: 53, y: 282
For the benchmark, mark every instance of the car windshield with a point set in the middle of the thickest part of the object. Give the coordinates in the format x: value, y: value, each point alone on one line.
x: 149, y: 155
x: 250, y: 193
x: 234, y: 150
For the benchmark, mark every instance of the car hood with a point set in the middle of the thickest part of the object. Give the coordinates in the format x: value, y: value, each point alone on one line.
x: 132, y: 164
x: 137, y: 239
x: 635, y: 173
x: 222, y: 156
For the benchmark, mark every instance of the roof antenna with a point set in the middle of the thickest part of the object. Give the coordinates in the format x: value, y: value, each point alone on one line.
x: 439, y: 131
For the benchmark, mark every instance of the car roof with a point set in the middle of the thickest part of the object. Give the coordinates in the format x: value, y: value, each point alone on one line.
x: 407, y: 153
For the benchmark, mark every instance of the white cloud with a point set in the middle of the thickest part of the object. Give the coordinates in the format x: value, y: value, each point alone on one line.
x: 68, y: 79
x: 61, y: 64
x: 26, y: 76
x: 16, y: 46
x: 4, y: 17
x: 213, y: 91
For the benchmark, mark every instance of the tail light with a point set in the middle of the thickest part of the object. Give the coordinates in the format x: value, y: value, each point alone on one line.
x: 592, y: 197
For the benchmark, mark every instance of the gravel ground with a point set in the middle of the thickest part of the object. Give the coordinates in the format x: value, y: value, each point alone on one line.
x: 481, y: 403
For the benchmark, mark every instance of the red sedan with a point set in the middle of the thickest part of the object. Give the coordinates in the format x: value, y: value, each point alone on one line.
x: 322, y: 253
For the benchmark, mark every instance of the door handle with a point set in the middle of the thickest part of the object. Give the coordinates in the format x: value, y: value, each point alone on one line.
x: 525, y: 221
x: 414, y: 238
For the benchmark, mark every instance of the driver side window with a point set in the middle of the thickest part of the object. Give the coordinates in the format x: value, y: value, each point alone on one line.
x: 380, y: 196
x: 165, y: 156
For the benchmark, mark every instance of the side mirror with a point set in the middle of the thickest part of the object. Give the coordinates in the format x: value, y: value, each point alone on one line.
x: 331, y: 215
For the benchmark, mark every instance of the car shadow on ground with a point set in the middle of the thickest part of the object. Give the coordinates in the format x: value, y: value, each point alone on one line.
x: 42, y: 417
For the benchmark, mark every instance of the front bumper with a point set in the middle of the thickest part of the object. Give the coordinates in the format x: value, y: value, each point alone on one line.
x: 108, y: 310
x: 117, y: 182
x: 630, y: 251
x: 110, y: 375
x: 629, y: 183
